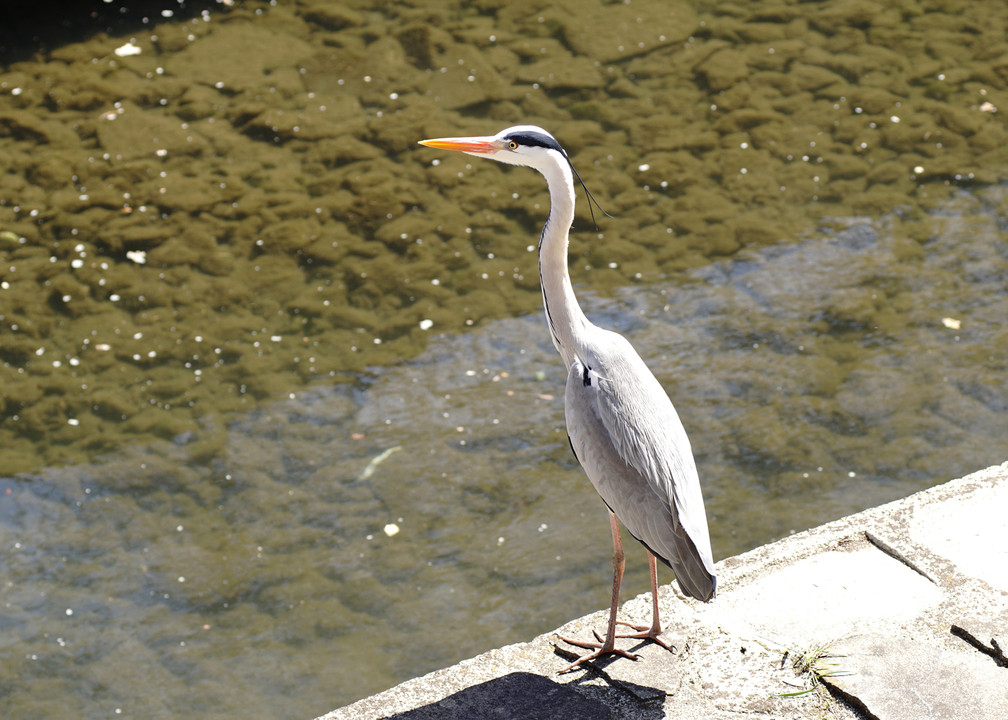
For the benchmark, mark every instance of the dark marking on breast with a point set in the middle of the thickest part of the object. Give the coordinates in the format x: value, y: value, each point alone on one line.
x: 571, y: 443
x: 585, y: 377
x: 542, y: 286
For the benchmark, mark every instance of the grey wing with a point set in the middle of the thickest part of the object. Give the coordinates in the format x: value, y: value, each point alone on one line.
x: 631, y: 444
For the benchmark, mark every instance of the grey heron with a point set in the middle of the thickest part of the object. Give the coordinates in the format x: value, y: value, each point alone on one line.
x: 621, y: 424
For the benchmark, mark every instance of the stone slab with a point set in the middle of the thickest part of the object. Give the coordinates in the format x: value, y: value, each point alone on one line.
x: 914, y: 674
x: 971, y: 531
x: 825, y: 596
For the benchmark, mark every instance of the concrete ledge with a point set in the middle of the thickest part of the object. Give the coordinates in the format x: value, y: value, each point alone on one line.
x: 910, y: 600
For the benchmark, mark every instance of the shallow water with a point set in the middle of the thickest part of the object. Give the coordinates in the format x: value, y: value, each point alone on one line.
x: 281, y: 492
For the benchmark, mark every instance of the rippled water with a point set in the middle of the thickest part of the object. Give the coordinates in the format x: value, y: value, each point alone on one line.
x: 304, y: 495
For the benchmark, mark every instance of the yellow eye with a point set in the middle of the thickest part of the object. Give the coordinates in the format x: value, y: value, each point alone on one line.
x: 513, y: 145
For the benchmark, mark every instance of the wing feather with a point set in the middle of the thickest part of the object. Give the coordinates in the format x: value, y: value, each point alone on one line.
x: 632, y: 445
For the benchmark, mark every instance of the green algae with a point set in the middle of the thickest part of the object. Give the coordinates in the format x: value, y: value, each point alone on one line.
x: 256, y: 177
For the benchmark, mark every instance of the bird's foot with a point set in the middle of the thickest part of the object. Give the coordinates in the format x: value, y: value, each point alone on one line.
x: 601, y: 649
x: 645, y: 632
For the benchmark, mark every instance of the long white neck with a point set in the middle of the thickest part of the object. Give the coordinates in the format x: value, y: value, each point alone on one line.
x: 564, y: 317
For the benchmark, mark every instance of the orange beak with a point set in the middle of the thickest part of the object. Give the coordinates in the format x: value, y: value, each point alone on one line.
x: 477, y: 145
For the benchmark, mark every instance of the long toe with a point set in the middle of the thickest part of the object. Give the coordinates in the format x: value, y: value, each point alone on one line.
x: 601, y: 650
x: 645, y: 632
x: 587, y: 644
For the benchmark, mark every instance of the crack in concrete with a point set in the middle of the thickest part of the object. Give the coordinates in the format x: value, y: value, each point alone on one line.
x: 994, y: 650
x: 850, y: 699
x: 897, y: 555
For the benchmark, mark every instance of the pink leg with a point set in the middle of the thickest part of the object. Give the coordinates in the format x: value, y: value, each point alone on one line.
x: 649, y: 633
x: 608, y: 646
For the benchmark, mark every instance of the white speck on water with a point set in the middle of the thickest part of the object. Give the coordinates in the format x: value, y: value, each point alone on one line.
x: 127, y: 50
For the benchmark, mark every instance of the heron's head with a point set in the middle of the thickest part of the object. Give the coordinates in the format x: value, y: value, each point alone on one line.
x: 519, y: 145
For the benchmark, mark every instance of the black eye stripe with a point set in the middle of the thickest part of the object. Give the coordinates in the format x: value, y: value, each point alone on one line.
x: 531, y: 139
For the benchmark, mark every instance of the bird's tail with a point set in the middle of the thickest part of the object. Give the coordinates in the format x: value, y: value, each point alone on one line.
x: 692, y: 570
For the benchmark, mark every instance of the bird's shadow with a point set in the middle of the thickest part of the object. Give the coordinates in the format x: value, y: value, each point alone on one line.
x: 517, y: 695
x: 645, y: 694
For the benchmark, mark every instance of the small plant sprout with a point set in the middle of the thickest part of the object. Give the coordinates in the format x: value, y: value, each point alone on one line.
x: 813, y: 666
